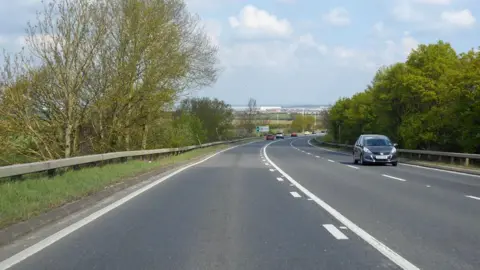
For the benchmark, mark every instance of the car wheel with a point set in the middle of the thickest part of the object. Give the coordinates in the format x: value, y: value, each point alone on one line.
x: 394, y: 164
x: 362, y: 162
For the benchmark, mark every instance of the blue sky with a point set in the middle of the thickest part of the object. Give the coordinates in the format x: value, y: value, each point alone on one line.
x: 303, y: 51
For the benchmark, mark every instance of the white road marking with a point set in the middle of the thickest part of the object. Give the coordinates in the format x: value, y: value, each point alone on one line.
x: 428, y: 186
x: 310, y: 199
x: 24, y: 254
x: 317, y: 156
x: 382, y: 248
x: 343, y: 227
x: 472, y: 197
x: 393, y: 177
x: 267, y: 164
x: 331, y: 160
x: 309, y: 153
x: 335, y: 232
x: 292, y: 185
x: 295, y: 194
x: 280, y: 179
x: 440, y: 170
x: 353, y: 167
x: 272, y: 170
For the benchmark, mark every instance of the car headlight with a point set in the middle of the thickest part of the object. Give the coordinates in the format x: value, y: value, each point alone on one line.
x: 365, y: 149
x: 394, y: 150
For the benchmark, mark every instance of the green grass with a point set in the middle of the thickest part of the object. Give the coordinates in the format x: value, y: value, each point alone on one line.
x: 24, y: 199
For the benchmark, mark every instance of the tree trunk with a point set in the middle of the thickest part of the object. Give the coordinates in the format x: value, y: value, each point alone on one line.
x: 68, y: 140
x: 144, y: 136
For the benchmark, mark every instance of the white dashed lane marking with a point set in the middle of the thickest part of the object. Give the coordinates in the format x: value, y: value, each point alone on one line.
x: 295, y: 194
x: 472, y: 197
x: 280, y: 179
x: 393, y: 177
x: 335, y: 232
x: 331, y: 160
x: 272, y: 170
x: 353, y: 167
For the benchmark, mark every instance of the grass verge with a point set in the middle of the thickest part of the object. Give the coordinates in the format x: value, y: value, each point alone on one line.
x: 30, y: 197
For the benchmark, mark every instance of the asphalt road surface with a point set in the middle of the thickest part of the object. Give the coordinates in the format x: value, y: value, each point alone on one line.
x: 278, y: 205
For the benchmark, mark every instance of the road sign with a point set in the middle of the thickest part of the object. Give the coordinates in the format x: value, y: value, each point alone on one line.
x: 263, y: 128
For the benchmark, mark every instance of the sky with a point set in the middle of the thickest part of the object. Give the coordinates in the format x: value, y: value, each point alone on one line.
x: 303, y: 51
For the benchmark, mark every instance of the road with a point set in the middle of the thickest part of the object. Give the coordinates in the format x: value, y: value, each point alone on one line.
x: 280, y: 205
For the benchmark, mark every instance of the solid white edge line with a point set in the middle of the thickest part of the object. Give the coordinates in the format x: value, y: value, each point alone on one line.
x: 439, y: 170
x: 472, y: 197
x: 353, y: 167
x: 280, y: 179
x: 403, y: 164
x: 331, y: 160
x: 382, y: 248
x: 335, y: 232
x: 42, y: 244
x: 295, y: 194
x: 393, y: 177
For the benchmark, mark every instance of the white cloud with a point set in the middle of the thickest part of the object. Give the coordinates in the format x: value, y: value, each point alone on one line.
x: 213, y: 29
x: 408, y: 44
x: 463, y: 18
x: 337, y: 16
x: 404, y: 11
x: 434, y: 2
x: 379, y: 27
x: 254, y: 21
x: 275, y: 55
x: 343, y: 52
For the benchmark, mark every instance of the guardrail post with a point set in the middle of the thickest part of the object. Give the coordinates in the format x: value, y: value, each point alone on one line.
x: 467, y: 161
x: 51, y: 172
x: 452, y: 160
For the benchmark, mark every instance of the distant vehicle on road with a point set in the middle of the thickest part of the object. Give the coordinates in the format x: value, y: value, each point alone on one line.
x: 374, y: 149
x: 270, y: 137
x: 294, y: 134
x: 279, y: 135
x: 307, y: 133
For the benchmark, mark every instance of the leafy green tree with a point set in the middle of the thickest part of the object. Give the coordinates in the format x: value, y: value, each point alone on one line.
x: 216, y: 116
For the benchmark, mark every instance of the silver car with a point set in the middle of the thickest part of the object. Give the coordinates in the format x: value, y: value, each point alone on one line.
x: 375, y: 149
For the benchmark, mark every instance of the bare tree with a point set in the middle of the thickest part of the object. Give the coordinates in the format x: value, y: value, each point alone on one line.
x: 249, y: 116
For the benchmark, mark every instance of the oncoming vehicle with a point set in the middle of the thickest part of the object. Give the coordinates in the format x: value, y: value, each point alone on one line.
x: 270, y: 137
x: 375, y: 149
x: 294, y: 134
x: 307, y: 133
x: 279, y: 135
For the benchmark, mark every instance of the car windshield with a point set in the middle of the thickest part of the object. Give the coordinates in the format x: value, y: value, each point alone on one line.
x: 377, y: 142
